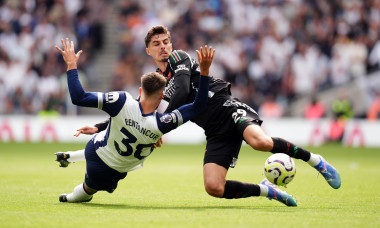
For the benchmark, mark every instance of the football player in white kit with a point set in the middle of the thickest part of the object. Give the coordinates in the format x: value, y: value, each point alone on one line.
x: 134, y: 128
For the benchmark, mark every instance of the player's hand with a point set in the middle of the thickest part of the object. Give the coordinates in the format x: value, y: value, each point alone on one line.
x: 205, y: 57
x: 158, y: 143
x: 87, y: 130
x: 68, y: 53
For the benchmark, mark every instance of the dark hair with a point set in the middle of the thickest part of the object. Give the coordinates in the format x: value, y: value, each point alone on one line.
x: 155, y: 30
x: 152, y: 82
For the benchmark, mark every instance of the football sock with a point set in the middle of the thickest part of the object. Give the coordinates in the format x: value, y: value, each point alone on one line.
x: 314, y: 160
x: 78, y: 195
x: 236, y: 190
x: 263, y: 190
x: 76, y: 156
x: 282, y: 146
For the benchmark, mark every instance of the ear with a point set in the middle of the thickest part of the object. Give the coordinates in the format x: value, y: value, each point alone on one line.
x: 161, y: 95
x: 147, y: 51
x: 140, y: 91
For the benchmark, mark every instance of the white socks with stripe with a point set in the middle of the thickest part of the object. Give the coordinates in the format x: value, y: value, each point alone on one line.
x: 78, y: 195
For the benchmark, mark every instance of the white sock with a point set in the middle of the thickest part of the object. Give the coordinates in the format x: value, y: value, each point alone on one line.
x: 263, y: 190
x: 76, y: 156
x: 314, y: 160
x: 78, y: 195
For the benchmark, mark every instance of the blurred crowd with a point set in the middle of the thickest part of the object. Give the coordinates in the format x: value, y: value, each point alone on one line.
x: 32, y: 74
x: 272, y: 51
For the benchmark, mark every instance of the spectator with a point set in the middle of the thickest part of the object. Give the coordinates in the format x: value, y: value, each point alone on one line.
x: 373, y: 112
x: 315, y: 110
x: 270, y: 108
x: 342, y: 107
x: 291, y: 47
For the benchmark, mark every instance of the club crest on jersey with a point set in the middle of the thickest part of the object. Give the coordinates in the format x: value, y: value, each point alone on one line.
x: 181, y: 67
x: 112, y: 97
x: 167, y: 118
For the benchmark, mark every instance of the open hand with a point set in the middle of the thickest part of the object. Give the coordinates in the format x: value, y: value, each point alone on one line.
x: 87, y: 130
x: 68, y: 53
x: 205, y: 58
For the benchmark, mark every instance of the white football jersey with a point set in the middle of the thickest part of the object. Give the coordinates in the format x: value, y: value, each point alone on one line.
x: 130, y: 135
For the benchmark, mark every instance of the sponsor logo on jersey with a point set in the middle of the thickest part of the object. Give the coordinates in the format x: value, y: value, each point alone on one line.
x: 112, y: 97
x: 181, y: 67
x: 169, y: 90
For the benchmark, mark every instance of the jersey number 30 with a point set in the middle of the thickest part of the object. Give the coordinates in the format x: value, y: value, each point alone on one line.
x: 127, y: 141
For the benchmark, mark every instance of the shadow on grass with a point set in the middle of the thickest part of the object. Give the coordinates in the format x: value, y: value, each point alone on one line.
x: 279, y: 208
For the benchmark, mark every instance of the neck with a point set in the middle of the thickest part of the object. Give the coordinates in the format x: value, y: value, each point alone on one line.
x: 162, y: 65
x: 148, y: 106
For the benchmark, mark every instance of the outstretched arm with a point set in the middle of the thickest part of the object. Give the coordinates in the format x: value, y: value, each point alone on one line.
x: 169, y: 121
x: 78, y: 95
x: 205, y: 57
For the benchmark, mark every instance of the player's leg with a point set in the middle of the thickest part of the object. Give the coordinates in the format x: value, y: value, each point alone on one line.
x: 218, y: 157
x: 214, y: 177
x: 99, y: 177
x: 216, y: 185
x: 258, y: 140
x: 81, y: 193
x: 65, y: 158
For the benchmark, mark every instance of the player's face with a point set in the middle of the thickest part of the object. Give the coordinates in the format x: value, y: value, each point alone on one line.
x: 160, y: 48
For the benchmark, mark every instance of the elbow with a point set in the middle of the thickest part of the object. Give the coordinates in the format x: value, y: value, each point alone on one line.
x: 75, y: 101
x: 199, y: 108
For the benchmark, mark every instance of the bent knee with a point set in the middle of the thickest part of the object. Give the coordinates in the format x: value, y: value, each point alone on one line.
x: 214, y: 188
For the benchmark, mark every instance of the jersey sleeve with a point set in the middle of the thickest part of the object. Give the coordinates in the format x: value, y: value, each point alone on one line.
x: 112, y: 102
x: 169, y: 121
x: 180, y: 62
x: 78, y: 95
x: 109, y: 102
x: 189, y: 111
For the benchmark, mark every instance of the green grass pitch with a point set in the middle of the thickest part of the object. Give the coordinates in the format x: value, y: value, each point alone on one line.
x: 168, y: 191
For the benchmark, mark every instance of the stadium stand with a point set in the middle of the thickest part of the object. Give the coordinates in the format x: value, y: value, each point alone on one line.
x: 292, y: 50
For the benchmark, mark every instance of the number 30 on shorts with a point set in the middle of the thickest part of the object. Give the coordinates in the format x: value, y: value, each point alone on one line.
x: 238, y: 114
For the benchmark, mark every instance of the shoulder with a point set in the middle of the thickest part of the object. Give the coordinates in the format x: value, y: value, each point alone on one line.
x: 180, y: 60
x: 178, y: 56
x: 115, y: 96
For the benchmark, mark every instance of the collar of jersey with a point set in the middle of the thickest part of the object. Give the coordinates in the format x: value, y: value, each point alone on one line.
x: 149, y: 114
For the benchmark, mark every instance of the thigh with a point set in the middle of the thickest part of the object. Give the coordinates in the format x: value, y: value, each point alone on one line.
x: 242, y: 115
x: 222, y: 150
x: 100, y: 176
x: 257, y: 139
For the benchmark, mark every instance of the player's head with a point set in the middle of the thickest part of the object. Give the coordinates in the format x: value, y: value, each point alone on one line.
x: 153, y: 84
x: 158, y: 44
